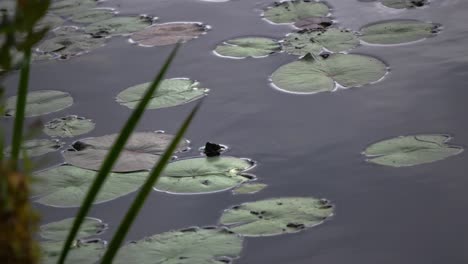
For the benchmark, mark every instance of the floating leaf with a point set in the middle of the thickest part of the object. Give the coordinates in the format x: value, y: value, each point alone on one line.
x: 169, y: 33
x: 203, y: 175
x: 80, y: 252
x: 71, y: 45
x: 141, y: 152
x: 118, y: 26
x: 293, y: 11
x: 398, y: 31
x: 314, y: 23
x: 276, y: 216
x: 38, y: 147
x: 59, y: 230
x: 248, y: 47
x: 93, y: 15
x: 41, y: 102
x: 400, y: 4
x: 187, y: 246
x: 411, y: 150
x: 66, y: 186
x: 313, y: 75
x: 69, y: 126
x: 248, y: 188
x: 171, y: 92
x: 308, y: 41
x: 70, y: 7
x: 49, y: 20
x: 67, y: 31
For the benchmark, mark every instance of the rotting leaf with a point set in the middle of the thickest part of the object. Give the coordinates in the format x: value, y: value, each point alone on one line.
x: 41, y: 102
x: 397, y: 31
x: 314, y: 23
x: 168, y: 33
x: 69, y: 126
x: 294, y: 11
x: 59, y: 230
x: 254, y: 47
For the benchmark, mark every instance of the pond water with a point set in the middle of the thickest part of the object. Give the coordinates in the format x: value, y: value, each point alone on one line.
x: 305, y: 145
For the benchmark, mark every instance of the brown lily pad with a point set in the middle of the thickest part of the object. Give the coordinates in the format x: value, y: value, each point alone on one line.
x: 168, y: 33
x: 314, y: 23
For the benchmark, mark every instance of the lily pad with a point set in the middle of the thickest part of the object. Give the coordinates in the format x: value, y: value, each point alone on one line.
x: 248, y: 47
x: 93, y: 15
x: 41, y: 102
x: 168, y: 34
x: 276, y: 216
x: 203, y: 175
x: 70, y: 7
x: 187, y: 246
x: 401, y: 4
x: 171, y: 92
x: 66, y: 186
x: 38, y: 147
x: 51, y: 21
x: 67, y: 31
x: 59, y: 230
x: 312, y: 41
x: 296, y: 10
x: 248, y: 188
x: 71, y: 45
x: 117, y: 26
x: 398, y: 31
x: 69, y: 126
x: 141, y: 152
x: 314, y: 23
x: 411, y: 150
x: 80, y: 252
x: 312, y: 75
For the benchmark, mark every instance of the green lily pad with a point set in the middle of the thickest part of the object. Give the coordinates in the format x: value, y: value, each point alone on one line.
x: 248, y: 47
x: 117, y: 26
x: 93, y: 15
x: 59, y: 230
x: 66, y: 186
x: 398, y: 31
x: 141, y: 152
x: 276, y: 216
x: 248, y: 188
x: 411, y: 150
x: 67, y: 31
x: 38, y: 147
x: 401, y: 4
x: 296, y: 10
x: 168, y: 34
x: 80, y: 252
x: 69, y: 126
x: 71, y: 45
x: 51, y: 21
x: 171, y: 92
x: 313, y: 75
x: 70, y: 7
x: 203, y: 175
x: 312, y: 41
x: 41, y: 102
x: 188, y: 246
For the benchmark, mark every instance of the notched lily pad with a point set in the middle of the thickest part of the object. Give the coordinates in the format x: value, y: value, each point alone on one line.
x: 411, y: 150
x: 187, y: 246
x: 168, y: 33
x: 141, y: 152
x: 295, y: 10
x: 59, y: 230
x: 93, y: 15
x: 69, y: 126
x: 313, y: 41
x: 38, y: 147
x: 171, y: 92
x: 41, y: 102
x: 398, y: 31
x: 67, y: 46
x: 276, y: 216
x: 313, y: 74
x: 203, y: 175
x: 254, y: 47
x: 80, y: 252
x: 66, y: 186
x: 401, y: 4
x: 248, y: 188
x: 118, y: 26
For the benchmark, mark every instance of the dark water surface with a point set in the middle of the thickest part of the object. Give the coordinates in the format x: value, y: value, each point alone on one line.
x: 305, y: 145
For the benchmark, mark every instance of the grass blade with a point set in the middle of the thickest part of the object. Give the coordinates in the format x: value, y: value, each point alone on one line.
x: 144, y: 192
x: 113, y: 155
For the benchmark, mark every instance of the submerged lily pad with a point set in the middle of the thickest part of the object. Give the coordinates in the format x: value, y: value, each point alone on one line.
x: 80, y: 252
x: 400, y: 4
x: 41, y: 102
x: 59, y: 230
x: 71, y: 45
x: 169, y: 33
x: 70, y: 7
x: 248, y: 188
x: 118, y: 26
x: 248, y: 47
x: 66, y: 186
x: 276, y: 216
x: 171, y: 92
x: 308, y: 41
x: 203, y: 175
x: 296, y: 10
x: 187, y: 246
x: 69, y: 126
x: 411, y: 150
x: 38, y: 147
x: 313, y: 75
x: 93, y: 15
x: 141, y: 152
x: 398, y: 31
